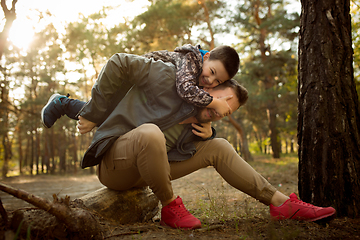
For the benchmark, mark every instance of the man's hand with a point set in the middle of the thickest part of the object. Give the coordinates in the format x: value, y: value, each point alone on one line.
x: 204, y: 130
x: 85, y: 125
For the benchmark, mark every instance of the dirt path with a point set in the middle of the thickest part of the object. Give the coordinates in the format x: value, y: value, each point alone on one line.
x: 198, y: 185
x: 224, y: 212
x: 194, y: 188
x: 45, y: 186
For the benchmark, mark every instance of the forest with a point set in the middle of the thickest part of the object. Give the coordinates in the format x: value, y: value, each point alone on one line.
x: 67, y: 60
x: 299, y: 61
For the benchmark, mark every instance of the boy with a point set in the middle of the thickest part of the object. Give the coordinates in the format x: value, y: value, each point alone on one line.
x: 195, y: 68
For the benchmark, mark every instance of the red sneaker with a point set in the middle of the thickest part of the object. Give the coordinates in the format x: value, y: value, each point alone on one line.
x: 176, y: 215
x: 294, y: 208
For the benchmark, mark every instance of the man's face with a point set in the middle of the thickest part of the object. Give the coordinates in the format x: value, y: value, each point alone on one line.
x: 213, y: 73
x: 208, y: 114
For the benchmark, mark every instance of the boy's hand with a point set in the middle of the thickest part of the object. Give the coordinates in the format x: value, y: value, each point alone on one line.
x: 204, y: 130
x: 221, y: 106
x: 85, y: 125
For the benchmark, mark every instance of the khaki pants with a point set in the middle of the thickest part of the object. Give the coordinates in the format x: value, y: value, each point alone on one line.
x: 139, y: 158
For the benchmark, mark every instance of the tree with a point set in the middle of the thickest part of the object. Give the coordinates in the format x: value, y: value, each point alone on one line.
x: 5, y: 104
x: 268, y: 68
x: 170, y: 23
x: 10, y: 16
x: 329, y: 115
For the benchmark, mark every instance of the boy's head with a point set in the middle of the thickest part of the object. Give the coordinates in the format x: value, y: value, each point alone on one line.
x: 220, y: 64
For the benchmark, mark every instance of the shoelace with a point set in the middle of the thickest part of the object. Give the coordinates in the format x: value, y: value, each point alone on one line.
x: 180, y: 210
x: 301, y: 202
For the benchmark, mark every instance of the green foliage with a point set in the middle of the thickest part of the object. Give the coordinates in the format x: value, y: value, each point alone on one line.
x: 169, y: 23
x: 355, y: 17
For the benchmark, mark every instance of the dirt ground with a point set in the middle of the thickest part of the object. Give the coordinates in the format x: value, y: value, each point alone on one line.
x: 225, y: 213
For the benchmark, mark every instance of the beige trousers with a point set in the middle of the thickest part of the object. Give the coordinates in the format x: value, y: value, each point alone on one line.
x: 138, y: 158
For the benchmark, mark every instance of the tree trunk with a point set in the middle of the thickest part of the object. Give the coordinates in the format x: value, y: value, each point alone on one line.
x: 268, y: 79
x: 329, y: 115
x: 244, y: 142
x: 10, y: 16
x: 18, y: 130
x: 123, y: 207
x: 274, y: 133
x: 211, y: 44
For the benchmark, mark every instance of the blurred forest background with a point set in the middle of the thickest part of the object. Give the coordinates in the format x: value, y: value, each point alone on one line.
x: 67, y: 59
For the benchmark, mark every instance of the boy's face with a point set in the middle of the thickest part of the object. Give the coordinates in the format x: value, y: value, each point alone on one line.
x: 213, y: 73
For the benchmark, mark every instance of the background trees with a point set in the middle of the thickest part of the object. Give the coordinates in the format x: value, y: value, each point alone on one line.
x: 264, y: 33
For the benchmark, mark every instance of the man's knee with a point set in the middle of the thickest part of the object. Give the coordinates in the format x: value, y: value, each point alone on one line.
x: 150, y: 132
x: 222, y: 144
x: 221, y: 150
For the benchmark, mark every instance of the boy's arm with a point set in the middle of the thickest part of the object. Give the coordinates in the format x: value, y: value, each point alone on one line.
x: 190, y: 67
x: 221, y: 106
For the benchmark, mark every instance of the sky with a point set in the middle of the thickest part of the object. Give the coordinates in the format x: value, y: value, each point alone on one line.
x: 63, y: 12
x: 66, y: 11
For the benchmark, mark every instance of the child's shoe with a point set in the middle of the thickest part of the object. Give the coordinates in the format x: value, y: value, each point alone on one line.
x: 294, y: 208
x: 52, y: 111
x: 176, y: 215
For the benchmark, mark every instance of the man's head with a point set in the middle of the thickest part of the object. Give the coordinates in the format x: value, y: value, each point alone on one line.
x: 220, y: 64
x: 228, y: 88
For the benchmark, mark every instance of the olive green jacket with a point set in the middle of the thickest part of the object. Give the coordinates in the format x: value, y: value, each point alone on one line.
x: 132, y: 90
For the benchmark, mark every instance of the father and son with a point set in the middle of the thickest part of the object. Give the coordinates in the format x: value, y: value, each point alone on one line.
x: 153, y: 115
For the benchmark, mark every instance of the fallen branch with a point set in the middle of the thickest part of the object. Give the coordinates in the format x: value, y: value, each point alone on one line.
x: 76, y: 219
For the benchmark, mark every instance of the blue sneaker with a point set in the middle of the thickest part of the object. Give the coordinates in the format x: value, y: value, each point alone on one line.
x: 52, y: 111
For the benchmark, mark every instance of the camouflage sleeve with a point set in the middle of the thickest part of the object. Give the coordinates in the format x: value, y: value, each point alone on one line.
x: 187, y: 72
x: 162, y: 55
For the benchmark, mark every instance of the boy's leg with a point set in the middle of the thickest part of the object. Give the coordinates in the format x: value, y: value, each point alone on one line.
x: 138, y: 159
x: 57, y: 106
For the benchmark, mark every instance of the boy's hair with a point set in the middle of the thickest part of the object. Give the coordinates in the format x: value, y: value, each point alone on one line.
x: 240, y: 91
x: 228, y: 57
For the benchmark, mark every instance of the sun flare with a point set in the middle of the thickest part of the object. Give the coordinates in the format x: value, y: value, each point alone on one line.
x: 21, y: 34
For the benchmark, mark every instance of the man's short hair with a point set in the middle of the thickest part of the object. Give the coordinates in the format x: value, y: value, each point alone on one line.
x: 240, y: 91
x: 228, y: 57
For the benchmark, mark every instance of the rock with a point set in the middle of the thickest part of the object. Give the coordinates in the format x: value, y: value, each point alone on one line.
x: 123, y: 207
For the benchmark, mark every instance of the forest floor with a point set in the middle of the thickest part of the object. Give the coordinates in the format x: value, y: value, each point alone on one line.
x: 225, y: 213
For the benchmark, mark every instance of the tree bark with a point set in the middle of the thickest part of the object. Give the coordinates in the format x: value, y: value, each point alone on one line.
x: 123, y: 207
x: 329, y: 115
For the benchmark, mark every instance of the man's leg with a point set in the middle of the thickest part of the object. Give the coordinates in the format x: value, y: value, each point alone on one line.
x: 57, y: 106
x: 238, y: 173
x: 138, y: 159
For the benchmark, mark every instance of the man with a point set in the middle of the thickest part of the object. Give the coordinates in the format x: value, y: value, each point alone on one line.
x: 151, y: 136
